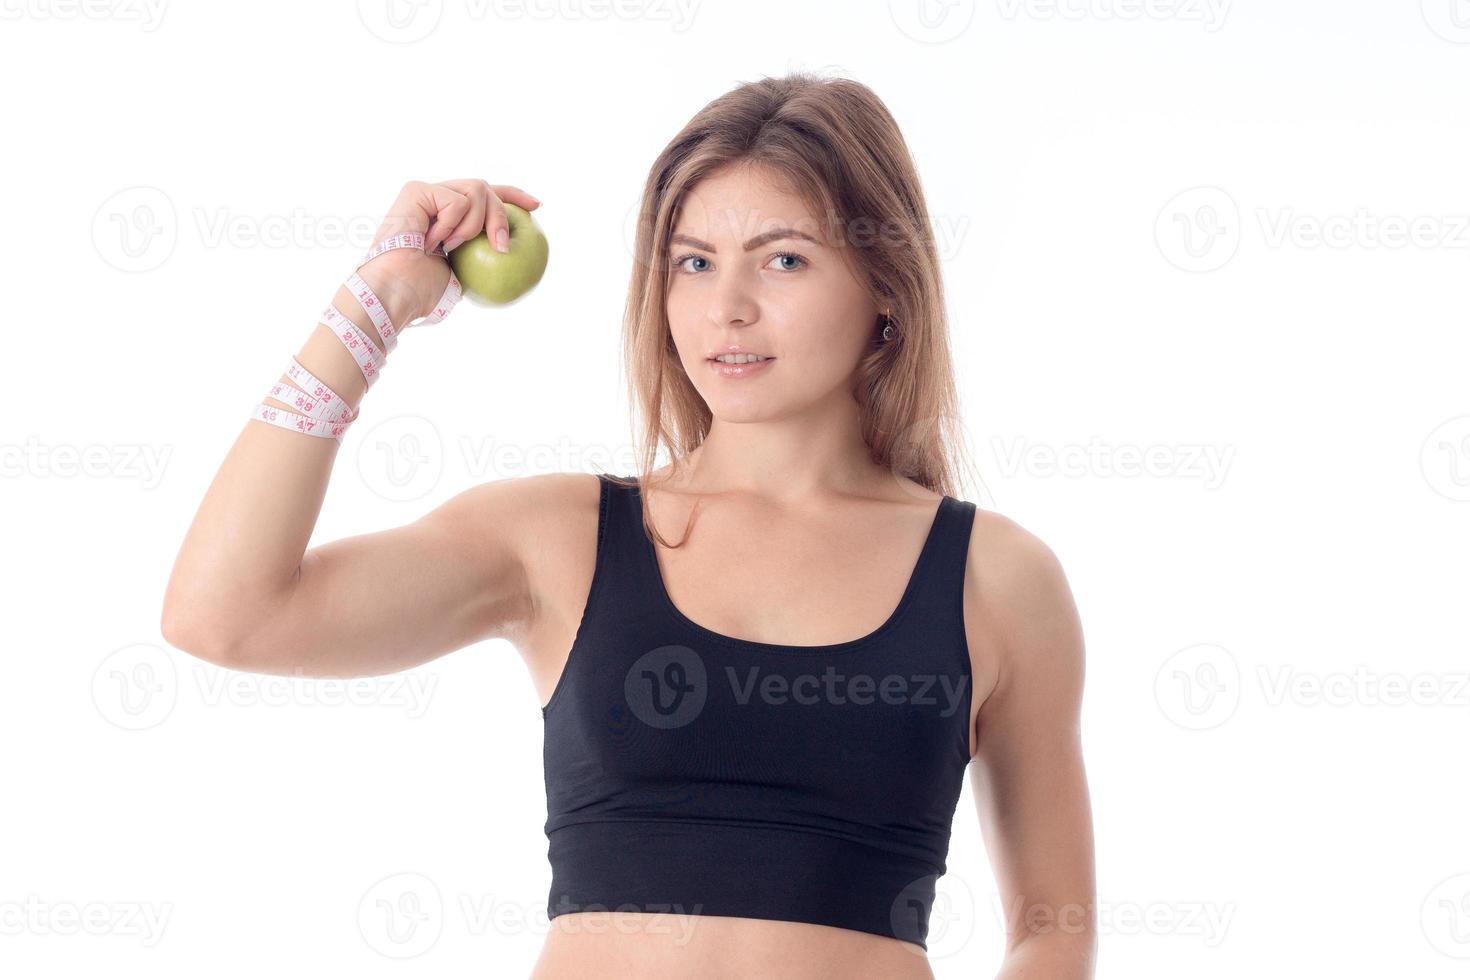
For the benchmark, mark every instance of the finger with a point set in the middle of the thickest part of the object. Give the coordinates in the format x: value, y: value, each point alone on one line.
x: 506, y: 192
x: 515, y: 196
x: 449, y: 207
x: 497, y: 226
x: 473, y: 221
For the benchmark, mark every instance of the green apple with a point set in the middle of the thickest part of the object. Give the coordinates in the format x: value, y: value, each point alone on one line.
x: 494, y: 278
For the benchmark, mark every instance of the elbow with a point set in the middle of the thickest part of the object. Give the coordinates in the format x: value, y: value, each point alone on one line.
x: 200, y: 636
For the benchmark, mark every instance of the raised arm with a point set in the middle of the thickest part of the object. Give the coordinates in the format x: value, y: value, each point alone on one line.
x: 245, y: 592
x: 1028, y: 776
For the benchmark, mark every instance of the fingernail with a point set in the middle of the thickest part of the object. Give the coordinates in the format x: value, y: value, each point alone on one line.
x: 502, y: 240
x: 452, y: 244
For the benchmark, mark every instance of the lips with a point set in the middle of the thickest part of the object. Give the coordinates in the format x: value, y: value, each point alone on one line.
x: 745, y: 370
x: 715, y: 352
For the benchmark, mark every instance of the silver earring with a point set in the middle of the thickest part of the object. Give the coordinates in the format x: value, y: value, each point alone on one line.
x: 887, y: 327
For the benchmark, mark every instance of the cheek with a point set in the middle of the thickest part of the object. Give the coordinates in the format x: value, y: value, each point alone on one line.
x: 683, y: 324
x: 822, y: 329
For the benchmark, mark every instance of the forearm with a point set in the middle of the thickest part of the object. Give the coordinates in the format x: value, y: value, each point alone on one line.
x: 246, y: 542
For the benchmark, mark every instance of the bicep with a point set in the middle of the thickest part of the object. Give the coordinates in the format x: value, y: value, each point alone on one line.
x: 389, y: 600
x: 1028, y: 775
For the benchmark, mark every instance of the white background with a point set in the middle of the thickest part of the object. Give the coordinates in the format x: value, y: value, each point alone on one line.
x: 1228, y: 238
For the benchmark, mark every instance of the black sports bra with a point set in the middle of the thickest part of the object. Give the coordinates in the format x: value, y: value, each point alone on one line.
x: 696, y: 773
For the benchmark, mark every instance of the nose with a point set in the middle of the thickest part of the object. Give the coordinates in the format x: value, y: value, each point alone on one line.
x: 732, y: 303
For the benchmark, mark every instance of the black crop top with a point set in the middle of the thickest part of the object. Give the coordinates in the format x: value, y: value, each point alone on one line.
x: 692, y: 772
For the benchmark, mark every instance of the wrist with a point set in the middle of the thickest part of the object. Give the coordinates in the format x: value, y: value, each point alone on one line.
x: 394, y: 293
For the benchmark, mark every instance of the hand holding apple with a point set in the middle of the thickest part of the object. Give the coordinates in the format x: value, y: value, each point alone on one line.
x: 409, y: 282
x: 494, y: 278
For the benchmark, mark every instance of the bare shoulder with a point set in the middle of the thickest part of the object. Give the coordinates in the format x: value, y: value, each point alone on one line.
x: 1020, y: 615
x: 516, y: 509
x: 541, y: 528
x: 558, y: 520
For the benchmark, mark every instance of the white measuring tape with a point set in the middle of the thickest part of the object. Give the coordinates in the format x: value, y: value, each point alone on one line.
x: 320, y: 411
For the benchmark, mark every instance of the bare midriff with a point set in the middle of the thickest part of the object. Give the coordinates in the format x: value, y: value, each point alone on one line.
x: 664, y: 946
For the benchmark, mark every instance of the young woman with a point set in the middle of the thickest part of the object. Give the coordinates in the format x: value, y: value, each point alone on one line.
x: 763, y: 667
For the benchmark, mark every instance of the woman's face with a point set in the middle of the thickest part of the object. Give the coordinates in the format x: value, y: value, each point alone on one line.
x: 752, y: 269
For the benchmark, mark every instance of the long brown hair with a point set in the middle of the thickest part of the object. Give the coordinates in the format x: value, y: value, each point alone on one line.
x: 840, y: 149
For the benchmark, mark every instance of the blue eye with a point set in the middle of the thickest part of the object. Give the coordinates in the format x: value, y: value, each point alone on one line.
x: 792, y: 256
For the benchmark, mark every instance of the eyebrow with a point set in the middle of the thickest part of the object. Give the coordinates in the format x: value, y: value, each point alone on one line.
x: 774, y: 234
